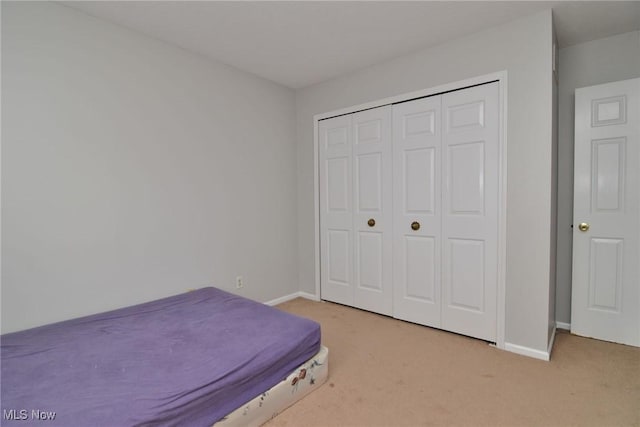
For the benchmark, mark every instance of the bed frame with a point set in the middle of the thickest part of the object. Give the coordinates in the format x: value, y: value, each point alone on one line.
x: 308, y: 377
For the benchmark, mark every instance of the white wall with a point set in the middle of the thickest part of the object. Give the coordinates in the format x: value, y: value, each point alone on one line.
x: 161, y: 141
x: 133, y: 170
x: 595, y: 62
x: 523, y: 48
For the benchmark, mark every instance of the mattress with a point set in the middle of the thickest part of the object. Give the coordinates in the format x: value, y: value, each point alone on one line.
x: 189, y: 359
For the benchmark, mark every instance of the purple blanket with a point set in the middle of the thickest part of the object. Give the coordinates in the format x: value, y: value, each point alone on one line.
x: 185, y: 360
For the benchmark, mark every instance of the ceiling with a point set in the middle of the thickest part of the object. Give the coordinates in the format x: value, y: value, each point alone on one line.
x: 300, y: 43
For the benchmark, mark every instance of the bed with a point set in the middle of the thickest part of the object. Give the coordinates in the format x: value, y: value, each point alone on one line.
x: 196, y: 359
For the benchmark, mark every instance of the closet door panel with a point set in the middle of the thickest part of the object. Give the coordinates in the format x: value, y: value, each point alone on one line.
x: 420, y: 280
x: 416, y: 199
x: 336, y: 210
x: 470, y: 147
x: 419, y: 166
x: 466, y: 171
x: 338, y: 248
x: 369, y: 183
x: 370, y: 260
x: 466, y: 274
x: 371, y: 135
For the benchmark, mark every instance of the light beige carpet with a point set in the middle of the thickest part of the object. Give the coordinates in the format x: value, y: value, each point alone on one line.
x: 385, y: 372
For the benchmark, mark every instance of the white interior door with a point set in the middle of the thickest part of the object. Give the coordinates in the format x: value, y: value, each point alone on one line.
x: 417, y: 206
x: 470, y: 153
x: 605, y: 300
x: 372, y: 224
x: 336, y: 210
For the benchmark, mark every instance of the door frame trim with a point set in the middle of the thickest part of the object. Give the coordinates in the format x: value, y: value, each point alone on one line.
x: 501, y: 78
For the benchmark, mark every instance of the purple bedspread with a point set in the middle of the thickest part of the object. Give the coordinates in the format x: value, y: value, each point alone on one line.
x: 185, y: 360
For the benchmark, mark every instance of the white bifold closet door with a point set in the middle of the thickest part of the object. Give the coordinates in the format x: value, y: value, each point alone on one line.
x: 445, y: 151
x: 417, y: 203
x: 356, y: 210
x: 409, y: 210
x: 470, y: 153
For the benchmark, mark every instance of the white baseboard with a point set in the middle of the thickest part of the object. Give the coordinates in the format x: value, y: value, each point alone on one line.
x: 526, y: 351
x: 537, y: 354
x: 563, y: 326
x: 283, y: 299
x: 292, y: 296
x: 307, y: 295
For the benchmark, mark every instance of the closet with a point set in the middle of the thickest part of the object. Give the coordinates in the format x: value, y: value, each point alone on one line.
x: 409, y: 197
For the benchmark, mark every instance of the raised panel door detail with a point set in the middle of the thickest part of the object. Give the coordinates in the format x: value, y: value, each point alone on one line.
x: 419, y: 180
x: 419, y: 264
x: 608, y: 159
x: 372, y: 198
x: 605, y: 289
x: 370, y: 131
x: 466, y: 272
x: 419, y: 123
x: 370, y: 260
x: 369, y: 185
x: 338, y: 184
x: 338, y: 259
x: 466, y: 117
x: 605, y: 274
x: 609, y: 111
x: 337, y: 136
x: 466, y: 176
x: 470, y: 214
x: 417, y: 183
x: 335, y: 169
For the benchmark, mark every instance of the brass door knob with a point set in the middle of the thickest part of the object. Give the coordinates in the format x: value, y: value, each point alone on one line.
x: 371, y: 222
x: 583, y: 226
x: 415, y: 225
